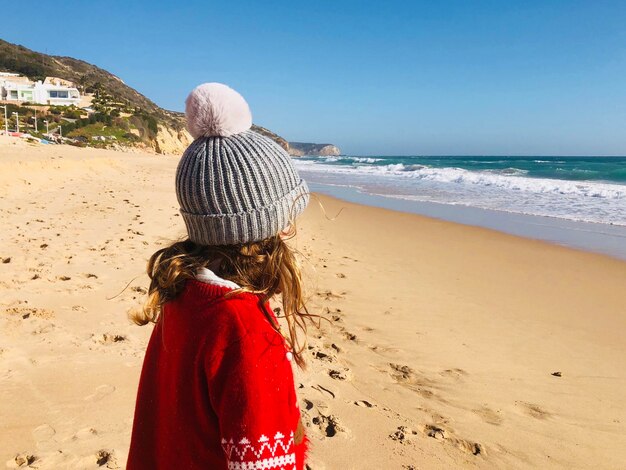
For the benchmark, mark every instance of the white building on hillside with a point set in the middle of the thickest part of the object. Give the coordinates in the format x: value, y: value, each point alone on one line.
x: 53, y: 91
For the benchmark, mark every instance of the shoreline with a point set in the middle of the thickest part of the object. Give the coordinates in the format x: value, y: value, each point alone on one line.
x: 598, y: 238
x: 439, y: 350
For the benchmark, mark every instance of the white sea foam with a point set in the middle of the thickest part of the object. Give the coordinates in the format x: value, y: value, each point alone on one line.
x: 512, y: 181
x: 365, y: 159
x: 503, y: 190
x: 333, y: 159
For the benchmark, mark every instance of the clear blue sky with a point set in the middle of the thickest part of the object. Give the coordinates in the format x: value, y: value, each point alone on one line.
x: 384, y: 77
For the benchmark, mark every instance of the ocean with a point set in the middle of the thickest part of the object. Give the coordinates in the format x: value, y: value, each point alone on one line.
x: 581, y: 193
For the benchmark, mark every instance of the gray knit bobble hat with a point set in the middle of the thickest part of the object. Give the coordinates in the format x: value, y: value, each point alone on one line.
x: 233, y: 184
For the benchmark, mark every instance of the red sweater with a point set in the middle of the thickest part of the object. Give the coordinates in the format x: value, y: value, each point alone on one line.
x: 216, y: 389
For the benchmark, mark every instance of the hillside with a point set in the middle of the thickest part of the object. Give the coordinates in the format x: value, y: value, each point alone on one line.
x: 121, y: 115
x: 88, y: 77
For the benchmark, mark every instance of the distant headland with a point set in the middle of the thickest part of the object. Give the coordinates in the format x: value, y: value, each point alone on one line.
x: 299, y: 149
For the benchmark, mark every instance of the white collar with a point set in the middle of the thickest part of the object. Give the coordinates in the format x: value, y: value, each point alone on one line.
x: 209, y: 277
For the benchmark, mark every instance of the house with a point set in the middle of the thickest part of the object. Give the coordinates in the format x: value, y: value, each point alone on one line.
x: 52, y: 91
x: 56, y: 81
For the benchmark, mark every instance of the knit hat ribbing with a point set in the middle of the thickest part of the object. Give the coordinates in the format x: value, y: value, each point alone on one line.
x: 233, y: 185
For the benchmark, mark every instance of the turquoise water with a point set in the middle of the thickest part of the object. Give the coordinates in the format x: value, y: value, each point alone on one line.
x: 588, y: 189
x: 607, y: 169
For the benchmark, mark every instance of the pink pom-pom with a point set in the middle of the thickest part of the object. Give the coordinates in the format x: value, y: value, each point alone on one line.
x: 214, y: 109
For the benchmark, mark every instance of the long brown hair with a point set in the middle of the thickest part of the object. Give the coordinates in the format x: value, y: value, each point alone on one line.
x: 265, y: 268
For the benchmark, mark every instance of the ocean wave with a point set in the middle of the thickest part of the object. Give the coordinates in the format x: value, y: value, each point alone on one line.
x: 507, y: 171
x: 365, y: 159
x: 349, y: 160
x: 510, y: 182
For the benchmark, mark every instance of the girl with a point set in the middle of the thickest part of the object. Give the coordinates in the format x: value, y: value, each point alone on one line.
x: 216, y: 389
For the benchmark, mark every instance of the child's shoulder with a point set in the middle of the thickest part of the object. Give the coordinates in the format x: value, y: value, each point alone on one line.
x: 240, y: 312
x: 220, y: 321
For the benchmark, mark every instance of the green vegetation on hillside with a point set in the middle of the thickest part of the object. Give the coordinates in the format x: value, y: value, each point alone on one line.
x: 118, y: 110
x: 82, y: 126
x: 87, y: 77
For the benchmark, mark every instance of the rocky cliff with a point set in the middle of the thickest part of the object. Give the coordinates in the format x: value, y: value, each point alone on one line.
x: 299, y: 149
x: 170, y: 141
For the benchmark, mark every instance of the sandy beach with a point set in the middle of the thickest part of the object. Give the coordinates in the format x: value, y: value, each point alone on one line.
x: 445, y: 345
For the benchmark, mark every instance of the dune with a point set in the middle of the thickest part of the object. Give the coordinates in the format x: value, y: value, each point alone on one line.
x: 442, y: 345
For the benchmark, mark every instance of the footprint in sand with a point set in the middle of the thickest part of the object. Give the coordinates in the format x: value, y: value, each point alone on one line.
x: 401, y: 372
x: 440, y: 434
x: 534, y: 410
x: 43, y: 433
x: 335, y: 314
x: 100, y: 392
x: 349, y: 336
x: 42, y: 330
x: 406, y: 376
x: 27, y: 312
x: 106, y: 457
x: 334, y: 310
x: 489, y: 416
x: 402, y: 435
x: 363, y: 404
x: 111, y: 338
x: 321, y: 356
x: 330, y: 295
x: 84, y: 433
x: 455, y: 373
x: 22, y: 460
x: 336, y: 374
x: 328, y: 425
x: 382, y: 350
